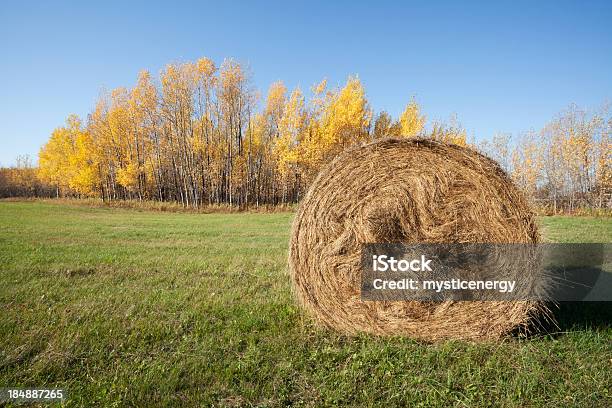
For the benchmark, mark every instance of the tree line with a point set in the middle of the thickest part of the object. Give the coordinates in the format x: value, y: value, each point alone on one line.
x: 565, y: 165
x: 201, y: 135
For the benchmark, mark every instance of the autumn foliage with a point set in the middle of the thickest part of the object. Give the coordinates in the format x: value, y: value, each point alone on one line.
x: 201, y: 134
x: 197, y: 137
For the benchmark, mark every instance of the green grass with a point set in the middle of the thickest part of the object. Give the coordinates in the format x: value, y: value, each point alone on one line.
x: 576, y: 229
x: 126, y: 308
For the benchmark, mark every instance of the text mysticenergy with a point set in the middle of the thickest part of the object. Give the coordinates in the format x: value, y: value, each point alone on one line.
x: 440, y: 285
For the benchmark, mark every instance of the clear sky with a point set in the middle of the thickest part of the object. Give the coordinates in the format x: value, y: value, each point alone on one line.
x: 500, y: 67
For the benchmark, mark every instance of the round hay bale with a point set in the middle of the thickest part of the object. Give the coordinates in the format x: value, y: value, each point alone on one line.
x: 410, y: 191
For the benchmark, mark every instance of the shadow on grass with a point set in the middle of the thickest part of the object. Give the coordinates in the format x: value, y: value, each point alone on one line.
x: 568, y: 317
x: 574, y: 316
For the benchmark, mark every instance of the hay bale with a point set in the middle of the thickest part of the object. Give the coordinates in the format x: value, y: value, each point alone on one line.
x: 411, y: 191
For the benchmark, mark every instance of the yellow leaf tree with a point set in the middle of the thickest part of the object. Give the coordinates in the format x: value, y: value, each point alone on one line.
x: 344, y: 120
x: 411, y: 121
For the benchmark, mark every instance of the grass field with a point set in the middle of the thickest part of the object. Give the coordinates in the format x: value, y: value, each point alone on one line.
x: 125, y: 308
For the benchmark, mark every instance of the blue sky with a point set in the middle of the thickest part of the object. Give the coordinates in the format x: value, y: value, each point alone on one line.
x: 500, y: 67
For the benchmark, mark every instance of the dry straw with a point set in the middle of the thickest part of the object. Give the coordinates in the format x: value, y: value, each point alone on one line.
x: 411, y: 191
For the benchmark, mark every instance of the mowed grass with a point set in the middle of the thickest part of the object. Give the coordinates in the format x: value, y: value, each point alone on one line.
x: 128, y: 308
